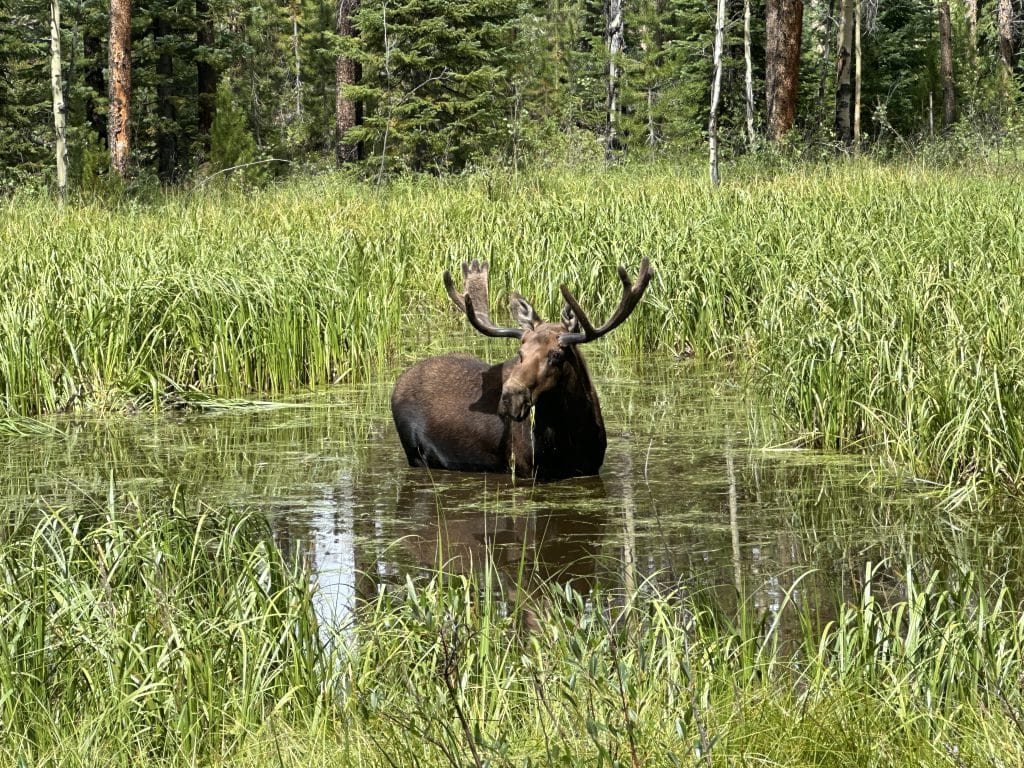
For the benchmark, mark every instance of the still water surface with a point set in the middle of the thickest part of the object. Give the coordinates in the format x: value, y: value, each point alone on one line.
x: 691, y: 494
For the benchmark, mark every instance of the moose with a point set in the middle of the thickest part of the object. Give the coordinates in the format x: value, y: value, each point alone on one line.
x: 459, y: 413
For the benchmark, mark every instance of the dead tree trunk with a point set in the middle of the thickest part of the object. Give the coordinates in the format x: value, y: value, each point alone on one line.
x: 748, y: 75
x: 856, y: 73
x: 844, y: 75
x: 614, y: 42
x: 716, y: 91
x: 57, y: 88
x: 347, y: 112
x: 120, y: 91
x: 298, y: 60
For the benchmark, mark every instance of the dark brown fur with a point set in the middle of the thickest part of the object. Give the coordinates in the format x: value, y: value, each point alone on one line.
x: 457, y: 412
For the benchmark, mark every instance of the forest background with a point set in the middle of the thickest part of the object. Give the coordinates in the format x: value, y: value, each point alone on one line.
x: 97, y: 92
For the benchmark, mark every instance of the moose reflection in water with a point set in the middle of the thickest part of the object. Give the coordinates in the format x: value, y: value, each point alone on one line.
x: 457, y: 412
x: 528, y: 539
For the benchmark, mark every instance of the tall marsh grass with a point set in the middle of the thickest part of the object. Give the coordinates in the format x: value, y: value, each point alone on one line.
x: 877, y: 307
x: 179, y: 636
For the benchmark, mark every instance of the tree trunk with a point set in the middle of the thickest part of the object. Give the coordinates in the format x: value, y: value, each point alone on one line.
x: 614, y: 42
x: 166, y: 137
x: 716, y: 90
x: 347, y: 113
x: 856, y: 73
x: 657, y: 45
x: 1005, y: 23
x: 844, y: 75
x: 298, y: 61
x: 120, y: 92
x: 748, y: 76
x: 826, y: 55
x: 652, y: 125
x: 783, y: 33
x: 946, y: 65
x: 207, y: 78
x: 971, y: 17
x: 57, y: 87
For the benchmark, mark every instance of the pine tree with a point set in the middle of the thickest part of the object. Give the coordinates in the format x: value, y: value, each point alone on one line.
x: 436, y: 81
x: 26, y: 121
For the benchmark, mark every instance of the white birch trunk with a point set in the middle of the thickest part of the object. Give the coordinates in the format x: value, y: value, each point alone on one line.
x: 614, y: 38
x: 749, y: 75
x: 716, y: 91
x: 298, y: 63
x: 856, y: 74
x: 57, y: 88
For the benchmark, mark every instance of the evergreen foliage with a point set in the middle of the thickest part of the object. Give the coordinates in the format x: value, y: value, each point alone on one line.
x: 231, y: 144
x: 437, y: 77
x: 450, y: 84
x: 26, y: 120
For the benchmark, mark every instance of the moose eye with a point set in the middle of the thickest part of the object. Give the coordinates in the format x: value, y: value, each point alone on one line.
x: 556, y: 357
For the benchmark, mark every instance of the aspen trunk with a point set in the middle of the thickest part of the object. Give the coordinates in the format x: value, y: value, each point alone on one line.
x: 120, y: 90
x: 748, y: 76
x: 298, y: 61
x: 614, y: 41
x: 716, y: 90
x: 946, y: 65
x: 844, y: 75
x: 856, y: 74
x: 347, y: 113
x: 57, y: 88
x: 783, y: 33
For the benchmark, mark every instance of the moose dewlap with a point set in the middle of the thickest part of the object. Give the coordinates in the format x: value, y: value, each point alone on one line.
x: 457, y: 412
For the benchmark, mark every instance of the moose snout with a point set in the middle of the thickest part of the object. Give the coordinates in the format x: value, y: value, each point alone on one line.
x: 515, y: 404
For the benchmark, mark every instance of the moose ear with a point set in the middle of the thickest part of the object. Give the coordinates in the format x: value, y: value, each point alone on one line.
x: 523, y: 312
x: 569, y: 321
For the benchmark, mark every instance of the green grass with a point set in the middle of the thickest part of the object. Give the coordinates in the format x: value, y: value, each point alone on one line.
x: 876, y: 307
x: 179, y: 636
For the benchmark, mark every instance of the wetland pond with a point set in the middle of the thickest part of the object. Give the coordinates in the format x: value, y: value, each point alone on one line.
x: 689, y: 496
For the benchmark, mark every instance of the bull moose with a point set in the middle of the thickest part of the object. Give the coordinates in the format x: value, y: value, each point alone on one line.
x: 457, y: 412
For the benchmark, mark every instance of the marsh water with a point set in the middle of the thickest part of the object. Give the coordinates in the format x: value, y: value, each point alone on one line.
x: 696, y: 491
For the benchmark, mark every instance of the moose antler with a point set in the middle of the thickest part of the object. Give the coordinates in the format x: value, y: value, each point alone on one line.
x: 631, y: 293
x: 474, y: 300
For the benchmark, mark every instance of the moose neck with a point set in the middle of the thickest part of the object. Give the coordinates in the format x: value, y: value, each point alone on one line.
x: 568, y: 430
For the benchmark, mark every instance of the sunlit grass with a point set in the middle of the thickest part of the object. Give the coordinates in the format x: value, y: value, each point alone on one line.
x: 877, y: 307
x: 179, y: 636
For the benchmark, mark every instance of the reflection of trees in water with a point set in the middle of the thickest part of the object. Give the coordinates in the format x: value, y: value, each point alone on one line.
x: 681, y: 501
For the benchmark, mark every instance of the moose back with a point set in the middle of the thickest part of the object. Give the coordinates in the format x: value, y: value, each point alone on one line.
x: 457, y: 412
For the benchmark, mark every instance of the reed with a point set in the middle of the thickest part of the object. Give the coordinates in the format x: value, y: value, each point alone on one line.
x: 877, y: 307
x: 179, y: 636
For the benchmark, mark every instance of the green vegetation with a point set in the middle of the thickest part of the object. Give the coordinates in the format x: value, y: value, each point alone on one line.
x: 179, y: 636
x: 876, y: 307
